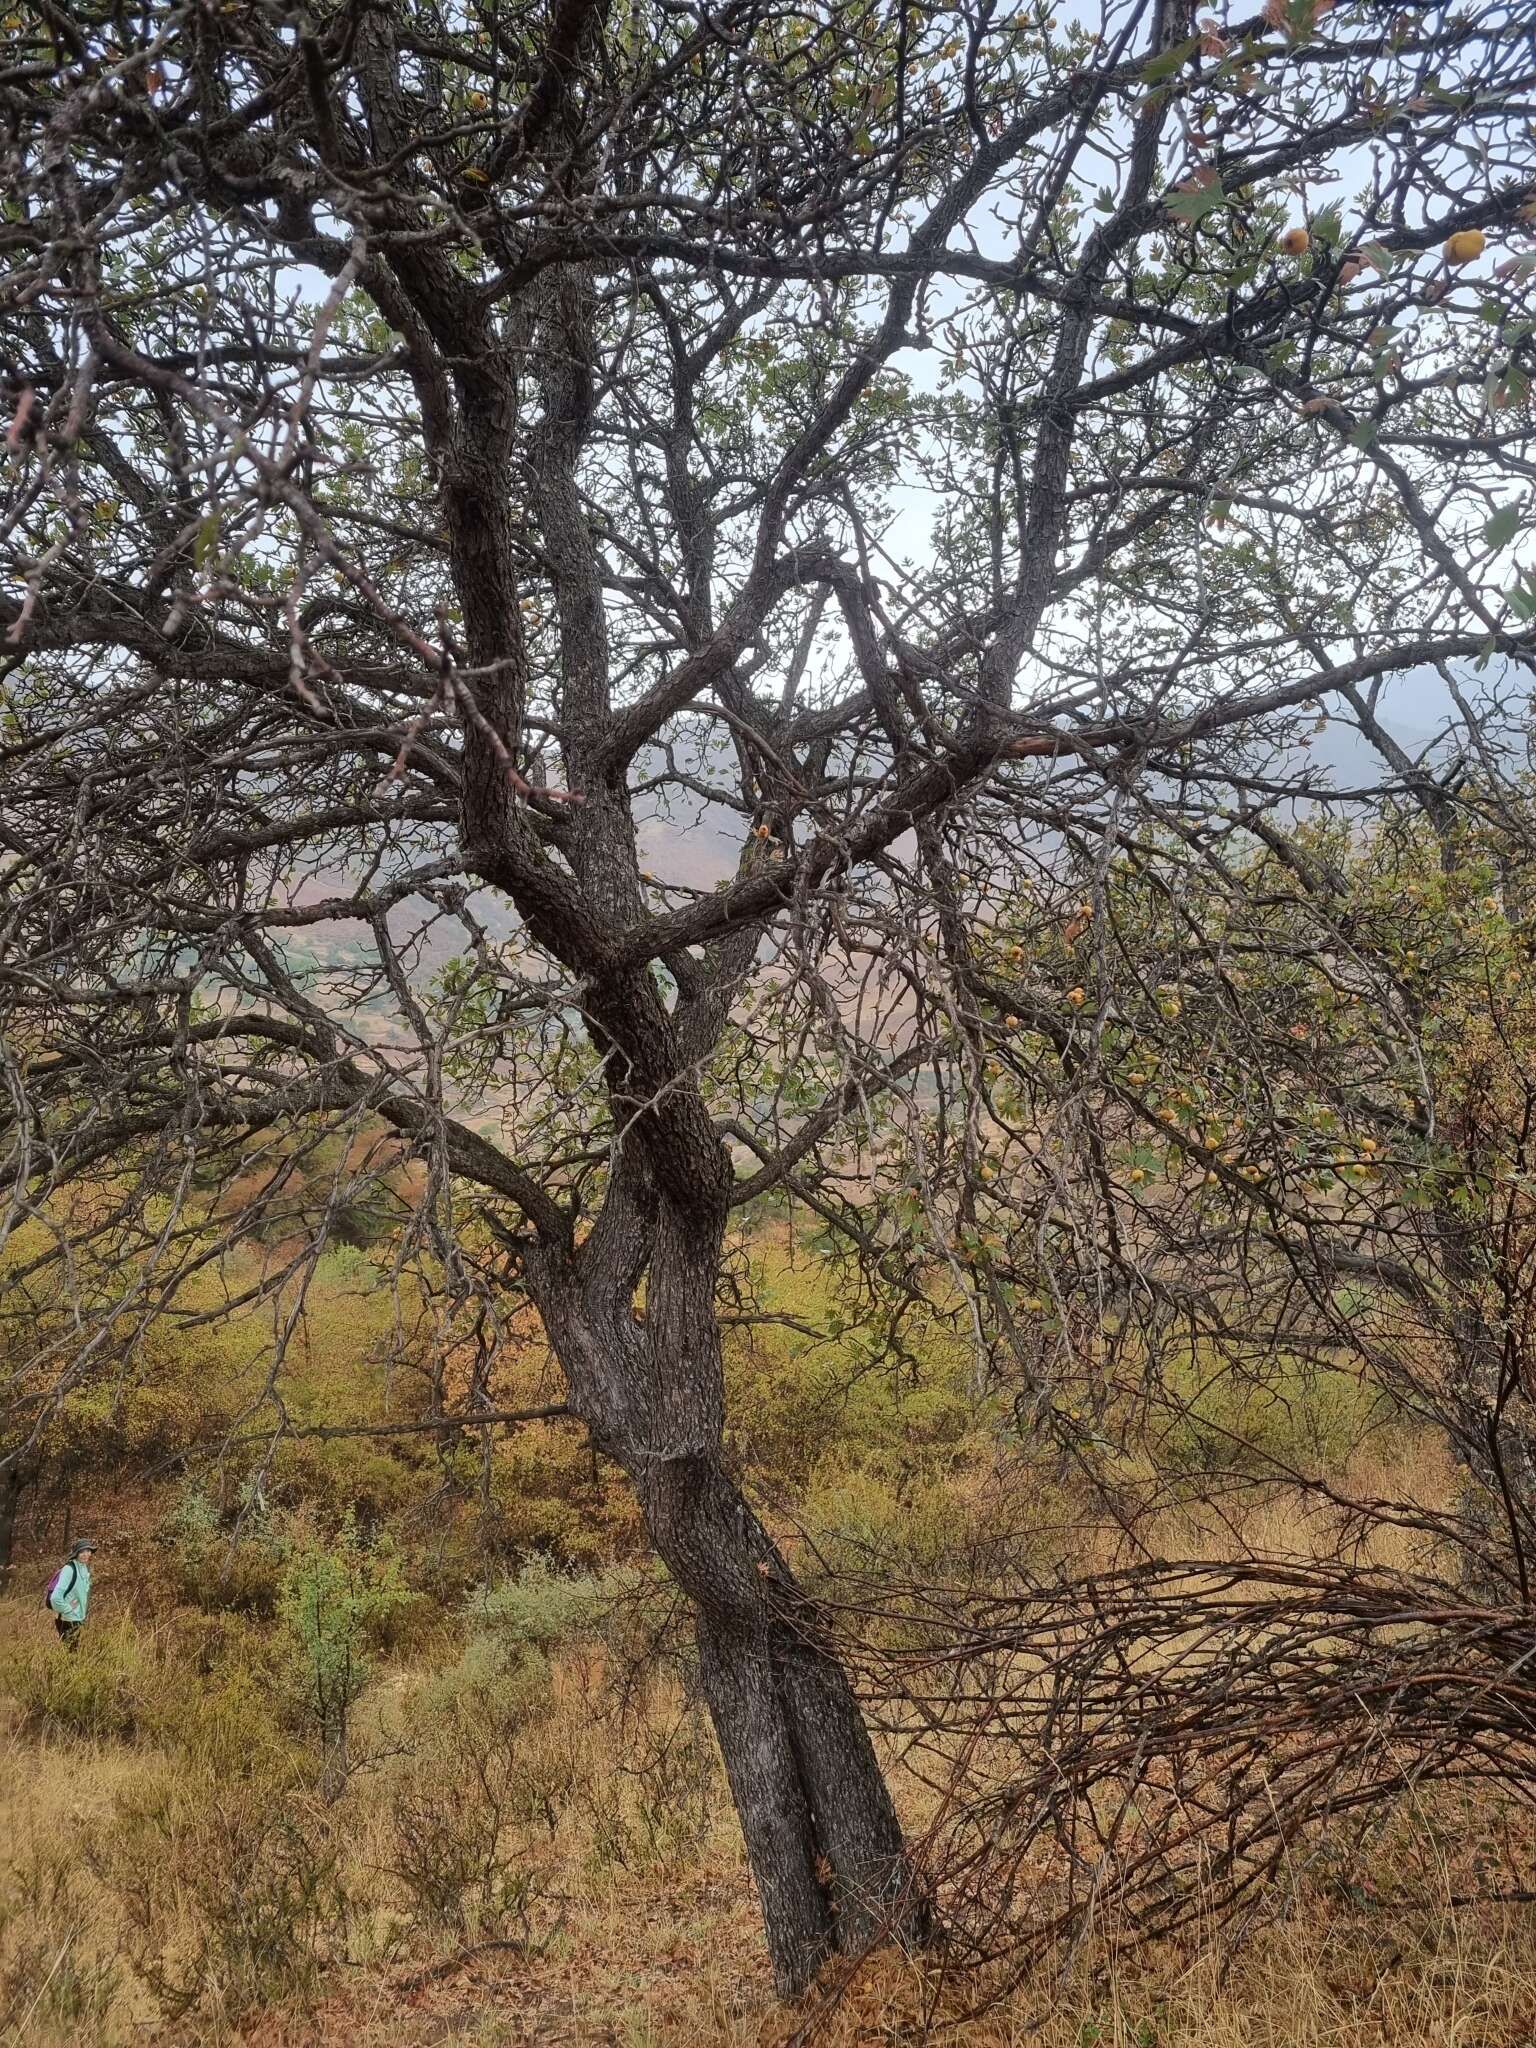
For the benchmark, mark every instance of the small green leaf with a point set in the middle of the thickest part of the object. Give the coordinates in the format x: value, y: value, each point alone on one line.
x: 1172, y: 60
x: 1503, y: 526
x: 207, y: 538
x: 1194, y: 206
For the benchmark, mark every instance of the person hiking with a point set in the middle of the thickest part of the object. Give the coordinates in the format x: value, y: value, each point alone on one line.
x: 70, y: 1593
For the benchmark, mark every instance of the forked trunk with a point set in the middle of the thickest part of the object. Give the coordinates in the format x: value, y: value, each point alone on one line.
x: 821, y: 1833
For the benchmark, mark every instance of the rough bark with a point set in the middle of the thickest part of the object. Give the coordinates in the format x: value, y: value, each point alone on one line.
x: 13, y: 1483
x: 820, y: 1829
x: 821, y: 1832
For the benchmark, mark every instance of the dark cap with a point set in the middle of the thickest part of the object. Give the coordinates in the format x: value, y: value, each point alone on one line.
x: 85, y: 1543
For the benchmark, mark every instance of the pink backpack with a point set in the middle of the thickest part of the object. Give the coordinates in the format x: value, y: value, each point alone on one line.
x: 71, y: 1567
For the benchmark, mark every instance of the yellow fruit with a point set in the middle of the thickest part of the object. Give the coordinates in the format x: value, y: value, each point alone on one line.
x: 1138, y: 1174
x: 1136, y: 1080
x: 1465, y: 246
x: 1295, y: 241
x: 1079, y: 996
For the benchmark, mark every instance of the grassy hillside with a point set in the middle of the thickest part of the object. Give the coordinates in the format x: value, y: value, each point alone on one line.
x: 395, y: 1739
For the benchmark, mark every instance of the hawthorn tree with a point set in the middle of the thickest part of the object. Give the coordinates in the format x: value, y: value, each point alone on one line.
x: 562, y: 560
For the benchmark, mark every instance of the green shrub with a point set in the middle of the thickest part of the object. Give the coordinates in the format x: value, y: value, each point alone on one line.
x: 100, y: 1691
x: 339, y: 1599
x: 540, y: 1609
x: 906, y: 1513
x: 480, y: 1785
x: 1293, y: 1417
x: 223, y: 1569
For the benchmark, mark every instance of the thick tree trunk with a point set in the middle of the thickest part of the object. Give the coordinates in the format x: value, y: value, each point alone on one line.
x: 13, y: 1483
x: 821, y: 1833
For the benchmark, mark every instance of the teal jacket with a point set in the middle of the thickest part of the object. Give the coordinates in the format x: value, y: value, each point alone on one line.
x: 72, y: 1595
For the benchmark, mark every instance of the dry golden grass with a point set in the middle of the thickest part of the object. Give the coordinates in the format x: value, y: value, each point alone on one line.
x: 670, y: 1954
x: 679, y: 1966
x: 663, y: 1949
